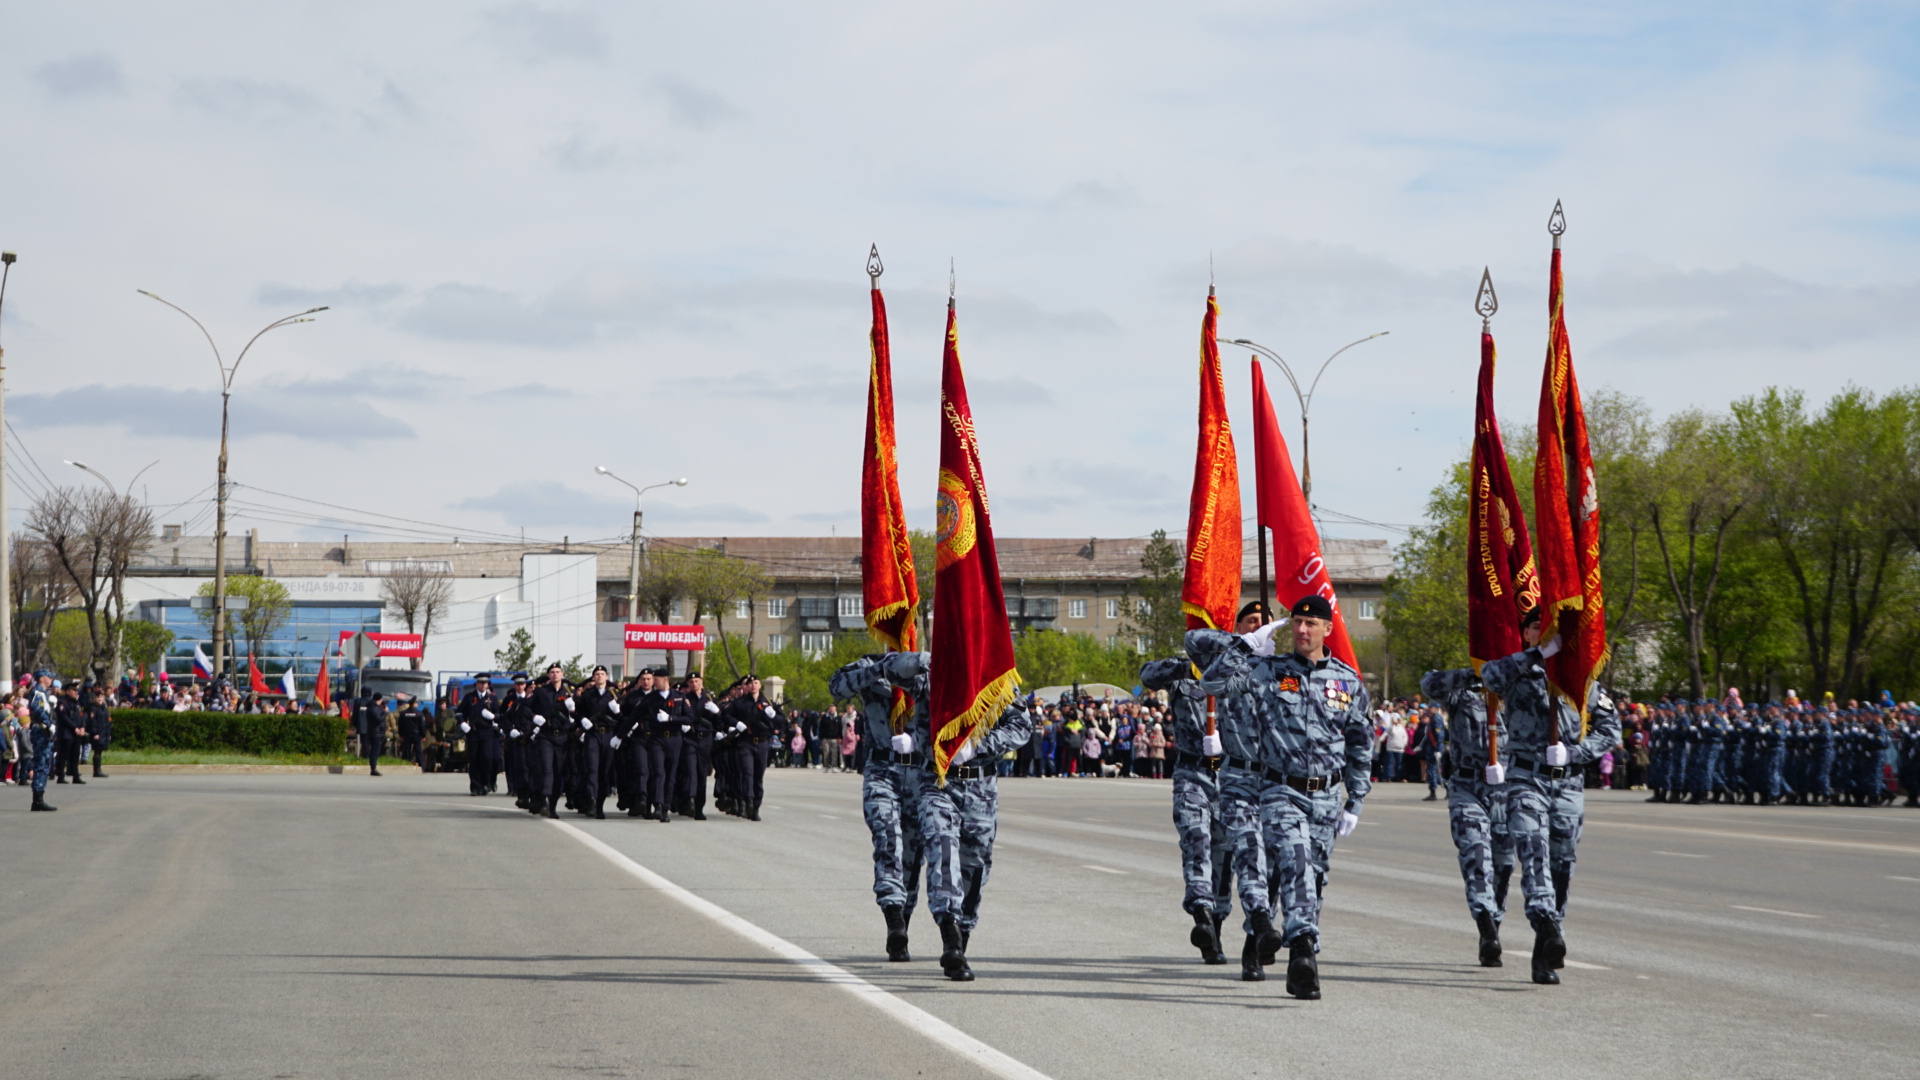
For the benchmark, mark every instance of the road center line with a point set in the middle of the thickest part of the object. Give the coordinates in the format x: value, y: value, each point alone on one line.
x: 1680, y: 854
x: 1585, y: 966
x: 1102, y: 869
x: 1776, y: 911
x: 1857, y: 845
x: 912, y: 1016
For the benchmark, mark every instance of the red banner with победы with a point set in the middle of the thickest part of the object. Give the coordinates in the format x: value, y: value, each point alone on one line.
x: 645, y: 636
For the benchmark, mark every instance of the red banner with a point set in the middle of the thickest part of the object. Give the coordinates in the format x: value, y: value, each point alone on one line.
x: 973, y: 675
x: 1501, y: 581
x: 256, y: 682
x: 644, y: 636
x: 1566, y: 508
x: 1210, y: 591
x: 1298, y: 567
x: 405, y: 646
x: 886, y: 555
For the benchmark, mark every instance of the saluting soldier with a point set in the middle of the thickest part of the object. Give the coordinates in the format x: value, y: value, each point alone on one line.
x: 480, y: 724
x: 1546, y: 784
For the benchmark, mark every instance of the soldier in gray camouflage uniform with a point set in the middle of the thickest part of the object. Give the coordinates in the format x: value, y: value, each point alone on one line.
x: 890, y: 786
x: 1546, y: 786
x: 1204, y: 848
x: 958, y: 819
x: 1294, y: 726
x: 1476, y: 801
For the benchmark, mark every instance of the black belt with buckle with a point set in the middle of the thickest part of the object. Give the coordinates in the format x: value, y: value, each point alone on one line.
x: 1540, y: 768
x: 965, y: 772
x: 1184, y: 760
x: 915, y: 758
x: 1307, y: 784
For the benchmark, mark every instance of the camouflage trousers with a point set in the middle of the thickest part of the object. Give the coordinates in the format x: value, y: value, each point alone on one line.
x: 890, y: 801
x: 1206, y: 854
x: 1545, y: 817
x: 957, y: 825
x: 1477, y: 814
x: 1282, y: 847
x: 43, y: 741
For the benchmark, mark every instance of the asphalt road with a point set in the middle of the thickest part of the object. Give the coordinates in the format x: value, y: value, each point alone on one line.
x: 238, y: 927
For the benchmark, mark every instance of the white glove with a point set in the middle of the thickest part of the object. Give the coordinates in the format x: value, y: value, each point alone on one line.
x: 1210, y: 745
x: 514, y: 734
x: 464, y: 728
x: 1261, y: 640
x: 1496, y: 774
x: 539, y: 721
x: 586, y: 724
x: 488, y: 713
x: 686, y: 727
x: 768, y: 709
x: 1348, y: 822
x: 903, y: 743
x: 614, y: 742
x: 740, y: 725
x: 1550, y: 647
x: 963, y: 755
x: 1557, y: 754
x: 712, y: 708
x: 614, y: 706
x: 661, y: 716
x: 569, y: 704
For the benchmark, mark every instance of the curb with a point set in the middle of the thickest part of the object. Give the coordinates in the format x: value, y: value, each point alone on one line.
x: 321, y: 770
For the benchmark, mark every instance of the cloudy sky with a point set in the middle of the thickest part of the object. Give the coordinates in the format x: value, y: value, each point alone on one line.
x: 558, y: 235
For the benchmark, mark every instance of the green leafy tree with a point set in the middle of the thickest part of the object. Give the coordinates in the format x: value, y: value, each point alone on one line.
x: 269, y: 606
x: 1056, y: 658
x: 1426, y: 603
x: 517, y: 654
x: 145, y: 644
x: 1155, y: 616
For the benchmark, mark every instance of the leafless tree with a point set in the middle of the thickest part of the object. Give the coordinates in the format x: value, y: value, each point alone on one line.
x: 419, y: 596
x: 90, y: 537
x: 37, y: 591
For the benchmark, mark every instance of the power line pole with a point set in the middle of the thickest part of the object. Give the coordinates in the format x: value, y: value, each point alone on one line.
x: 7, y: 259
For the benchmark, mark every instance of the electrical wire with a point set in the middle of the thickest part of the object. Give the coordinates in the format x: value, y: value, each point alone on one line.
x: 22, y: 445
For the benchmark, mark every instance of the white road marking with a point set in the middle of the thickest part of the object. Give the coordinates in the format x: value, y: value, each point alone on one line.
x: 831, y: 817
x: 918, y: 1019
x: 1587, y: 967
x: 1776, y: 911
x: 1856, y: 845
x: 1682, y: 855
x: 1897, y: 877
x: 1102, y: 869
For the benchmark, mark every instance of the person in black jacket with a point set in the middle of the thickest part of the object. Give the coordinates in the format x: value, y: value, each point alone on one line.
x: 370, y: 722
x: 480, y: 723
x: 413, y: 727
x: 668, y: 724
x: 516, y: 725
x: 99, y: 728
x: 700, y: 720
x: 552, y: 706
x: 762, y: 724
x: 596, y: 709
x: 629, y: 745
x: 70, y: 731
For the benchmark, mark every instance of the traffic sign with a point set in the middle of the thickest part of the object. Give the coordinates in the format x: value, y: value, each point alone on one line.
x: 359, y: 649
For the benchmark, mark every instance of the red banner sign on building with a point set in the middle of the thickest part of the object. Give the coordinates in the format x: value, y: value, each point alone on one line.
x: 643, y: 636
x: 404, y: 646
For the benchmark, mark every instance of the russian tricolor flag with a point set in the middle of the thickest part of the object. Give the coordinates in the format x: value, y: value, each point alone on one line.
x: 202, y: 667
x: 286, y: 684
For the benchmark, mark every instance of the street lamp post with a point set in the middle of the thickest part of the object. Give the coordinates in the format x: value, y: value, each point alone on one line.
x: 7, y: 259
x: 633, y: 571
x: 100, y: 476
x: 220, y: 492
x: 1304, y: 398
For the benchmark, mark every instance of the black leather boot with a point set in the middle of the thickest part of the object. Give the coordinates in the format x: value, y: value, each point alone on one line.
x: 753, y: 810
x: 1549, y: 953
x: 1206, y: 937
x: 953, y: 951
x: 1303, y: 971
x: 1502, y: 878
x: 40, y: 802
x: 1250, y: 970
x: 896, y: 934
x: 1489, y: 939
x: 1266, y: 935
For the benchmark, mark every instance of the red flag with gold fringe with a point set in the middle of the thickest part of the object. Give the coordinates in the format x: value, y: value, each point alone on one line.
x: 1502, y: 583
x: 1298, y: 566
x: 973, y: 676
x: 1567, y: 513
x: 886, y: 555
x: 1210, y: 591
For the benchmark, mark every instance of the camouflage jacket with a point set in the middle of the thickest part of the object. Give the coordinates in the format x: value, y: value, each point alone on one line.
x: 1459, y: 691
x: 1297, y: 716
x: 871, y: 681
x: 1533, y: 711
x: 1184, y: 697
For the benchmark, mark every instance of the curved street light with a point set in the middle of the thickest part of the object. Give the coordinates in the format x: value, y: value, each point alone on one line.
x: 100, y: 476
x: 633, y: 572
x: 227, y: 373
x: 1305, y: 398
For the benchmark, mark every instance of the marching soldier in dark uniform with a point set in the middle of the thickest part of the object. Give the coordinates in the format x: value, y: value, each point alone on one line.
x: 628, y: 744
x: 596, y: 711
x: 696, y: 750
x: 762, y: 724
x: 668, y: 724
x: 516, y: 725
x: 552, y: 707
x: 480, y: 723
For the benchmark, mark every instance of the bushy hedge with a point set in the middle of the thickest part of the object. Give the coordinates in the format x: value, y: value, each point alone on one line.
x: 248, y: 733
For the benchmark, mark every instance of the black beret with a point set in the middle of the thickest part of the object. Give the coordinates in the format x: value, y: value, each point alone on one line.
x: 1252, y: 607
x: 1530, y: 616
x: 1312, y: 605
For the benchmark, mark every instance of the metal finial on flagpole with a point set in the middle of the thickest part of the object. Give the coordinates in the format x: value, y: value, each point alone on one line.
x: 953, y: 282
x: 1485, y: 302
x: 1557, y: 223
x: 874, y: 266
x: 1209, y: 271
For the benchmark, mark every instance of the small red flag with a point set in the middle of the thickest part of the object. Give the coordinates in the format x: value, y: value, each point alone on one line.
x: 1566, y: 507
x: 886, y: 555
x: 973, y: 674
x: 1298, y: 567
x: 323, y: 687
x: 256, y: 681
x: 1211, y: 589
x: 1502, y: 584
